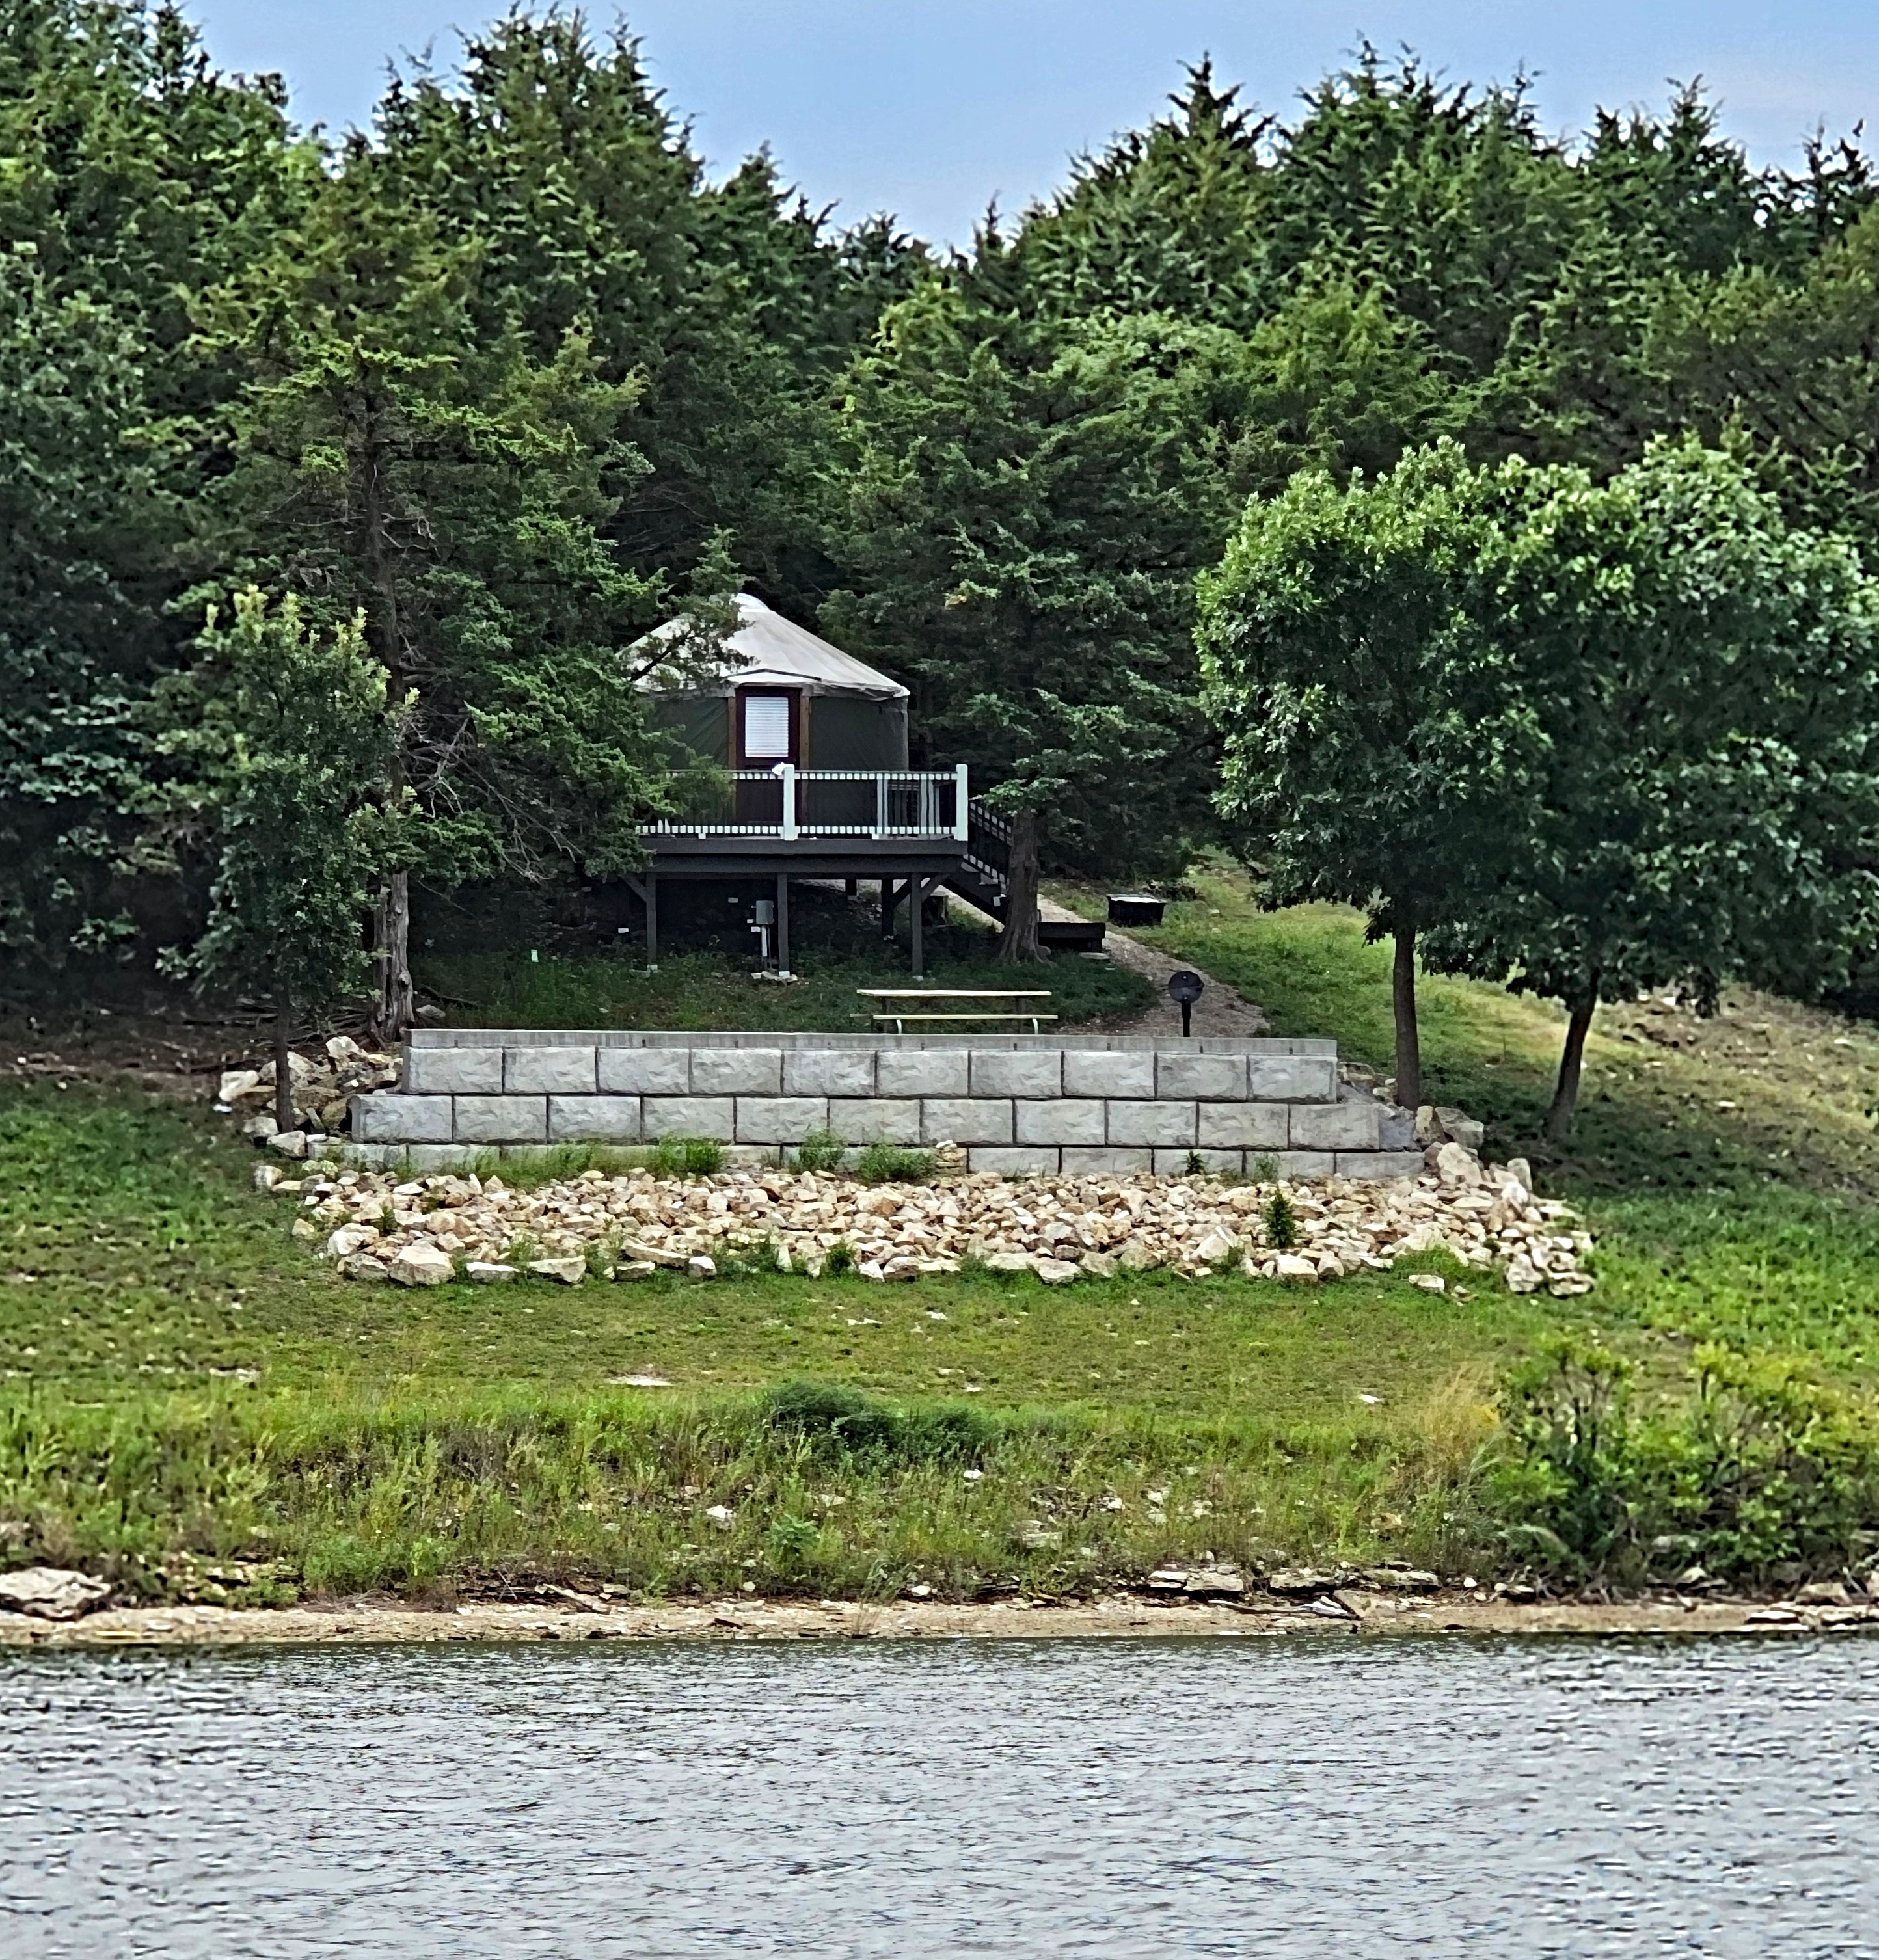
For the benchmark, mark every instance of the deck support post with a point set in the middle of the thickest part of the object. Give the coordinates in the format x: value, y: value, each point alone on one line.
x: 889, y: 899
x: 646, y: 890
x: 920, y: 890
x: 782, y: 925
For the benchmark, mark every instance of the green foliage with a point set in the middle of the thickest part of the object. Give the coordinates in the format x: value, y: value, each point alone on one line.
x: 834, y: 1419
x: 688, y: 1157
x: 893, y: 1163
x: 1763, y: 1474
x: 820, y: 1150
x: 1025, y: 503
x: 136, y: 178
x: 1592, y: 738
x: 291, y: 738
x: 1280, y: 1220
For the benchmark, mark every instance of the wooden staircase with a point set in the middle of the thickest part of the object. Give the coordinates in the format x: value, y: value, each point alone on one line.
x: 981, y: 879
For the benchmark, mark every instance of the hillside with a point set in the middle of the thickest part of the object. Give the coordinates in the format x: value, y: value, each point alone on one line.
x: 193, y: 1405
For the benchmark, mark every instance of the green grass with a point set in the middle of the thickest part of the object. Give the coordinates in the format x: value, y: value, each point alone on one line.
x: 184, y: 1386
x: 190, y: 1402
x: 1728, y: 1166
x: 706, y: 990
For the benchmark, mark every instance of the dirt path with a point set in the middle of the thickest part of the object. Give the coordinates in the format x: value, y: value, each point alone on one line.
x: 1219, y: 1011
x: 362, y: 1623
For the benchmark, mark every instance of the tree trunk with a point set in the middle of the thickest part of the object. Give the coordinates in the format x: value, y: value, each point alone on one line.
x: 283, y: 1068
x: 1403, y: 999
x: 1566, y: 1096
x: 1018, y: 943
x: 392, y: 1011
x: 385, y: 632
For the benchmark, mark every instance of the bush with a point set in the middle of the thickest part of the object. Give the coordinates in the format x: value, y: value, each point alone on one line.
x: 892, y: 1163
x: 835, y: 1420
x: 822, y: 1151
x: 688, y: 1157
x: 1281, y: 1223
x: 1763, y: 1475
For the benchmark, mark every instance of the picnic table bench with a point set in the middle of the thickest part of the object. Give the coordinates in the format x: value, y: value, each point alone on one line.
x: 899, y: 1017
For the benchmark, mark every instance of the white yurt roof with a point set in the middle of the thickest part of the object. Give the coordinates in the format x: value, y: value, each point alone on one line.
x: 775, y: 652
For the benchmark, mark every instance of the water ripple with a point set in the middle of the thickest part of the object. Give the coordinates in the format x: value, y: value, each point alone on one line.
x: 1102, y: 1798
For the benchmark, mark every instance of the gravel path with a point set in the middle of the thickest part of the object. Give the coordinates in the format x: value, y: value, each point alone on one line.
x: 1219, y: 1011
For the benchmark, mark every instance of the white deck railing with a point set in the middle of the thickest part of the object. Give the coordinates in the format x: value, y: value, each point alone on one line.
x: 789, y: 804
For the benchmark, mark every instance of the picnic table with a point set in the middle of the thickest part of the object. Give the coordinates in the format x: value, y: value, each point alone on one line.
x: 899, y: 1017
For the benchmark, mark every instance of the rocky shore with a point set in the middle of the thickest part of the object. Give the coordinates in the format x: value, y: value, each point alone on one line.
x: 1357, y: 1612
x: 433, y: 1230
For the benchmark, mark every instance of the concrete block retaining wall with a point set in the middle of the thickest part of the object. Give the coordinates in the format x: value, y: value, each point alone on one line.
x: 1015, y: 1104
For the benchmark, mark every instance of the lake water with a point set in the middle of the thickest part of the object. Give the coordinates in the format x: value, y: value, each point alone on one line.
x: 1332, y: 1797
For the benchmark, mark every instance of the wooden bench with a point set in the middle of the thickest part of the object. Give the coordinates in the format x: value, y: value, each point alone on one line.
x: 899, y: 1015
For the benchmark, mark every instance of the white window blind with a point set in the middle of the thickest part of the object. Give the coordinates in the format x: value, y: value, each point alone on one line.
x: 766, y: 727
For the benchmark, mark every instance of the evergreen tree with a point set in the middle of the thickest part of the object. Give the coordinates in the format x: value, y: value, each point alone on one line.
x: 452, y: 490
x: 135, y: 177
x: 1028, y: 504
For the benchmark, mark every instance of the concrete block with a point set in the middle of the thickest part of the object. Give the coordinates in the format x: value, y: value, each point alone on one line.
x: 1167, y: 1125
x: 1078, y: 1162
x: 829, y: 1071
x: 645, y: 1071
x: 1016, y: 1072
x: 502, y: 1119
x: 433, y: 1159
x: 548, y: 1071
x: 920, y: 1072
x: 1175, y: 1163
x: 594, y: 1119
x: 1376, y: 1164
x: 710, y: 1117
x: 875, y: 1119
x: 1217, y: 1078
x: 373, y: 1156
x: 1033, y: 1163
x: 1291, y: 1078
x: 752, y: 1156
x: 780, y: 1119
x: 1064, y: 1120
x: 1337, y: 1126
x: 1294, y: 1164
x: 953, y: 1119
x: 454, y: 1071
x: 1241, y: 1126
x: 1108, y: 1072
x: 736, y: 1071
x: 393, y: 1118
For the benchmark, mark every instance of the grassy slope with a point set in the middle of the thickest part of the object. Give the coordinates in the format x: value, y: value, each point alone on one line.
x: 1728, y: 1166
x: 183, y: 1387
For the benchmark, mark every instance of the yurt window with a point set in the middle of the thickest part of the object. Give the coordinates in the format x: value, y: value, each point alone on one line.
x: 767, y: 728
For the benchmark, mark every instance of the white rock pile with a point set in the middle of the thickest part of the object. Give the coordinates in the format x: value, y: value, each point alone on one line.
x: 321, y: 1090
x: 428, y: 1231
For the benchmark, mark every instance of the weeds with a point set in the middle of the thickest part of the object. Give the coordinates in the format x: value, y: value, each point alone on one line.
x: 1763, y: 1474
x: 820, y: 1150
x: 688, y: 1157
x: 1281, y: 1221
x: 893, y: 1163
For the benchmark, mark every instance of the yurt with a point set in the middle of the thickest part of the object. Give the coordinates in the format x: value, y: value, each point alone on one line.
x: 785, y: 696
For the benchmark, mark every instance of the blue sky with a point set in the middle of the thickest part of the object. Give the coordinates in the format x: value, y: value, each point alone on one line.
x: 930, y: 108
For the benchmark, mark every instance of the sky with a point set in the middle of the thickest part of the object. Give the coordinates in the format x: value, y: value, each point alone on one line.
x: 932, y: 108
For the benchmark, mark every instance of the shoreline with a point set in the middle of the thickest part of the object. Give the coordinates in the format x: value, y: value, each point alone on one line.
x: 1127, y: 1617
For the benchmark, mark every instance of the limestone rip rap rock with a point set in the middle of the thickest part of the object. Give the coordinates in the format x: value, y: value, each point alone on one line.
x: 321, y: 1090
x: 436, y: 1230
